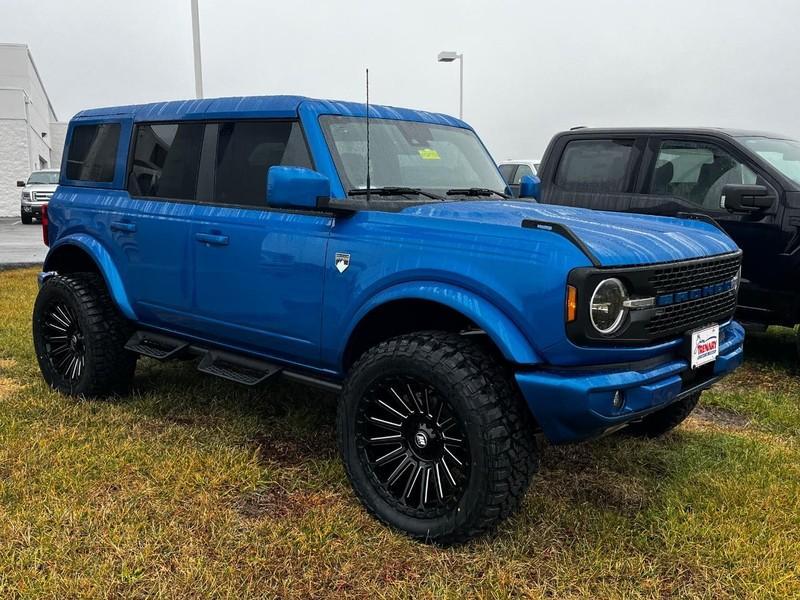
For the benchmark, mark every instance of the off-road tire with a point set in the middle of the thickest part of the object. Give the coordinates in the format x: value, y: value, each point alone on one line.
x: 665, y: 420
x: 26, y: 219
x: 497, y: 424
x: 107, y: 367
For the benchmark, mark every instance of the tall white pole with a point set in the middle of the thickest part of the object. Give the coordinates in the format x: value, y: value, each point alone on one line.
x: 461, y: 86
x: 198, y: 66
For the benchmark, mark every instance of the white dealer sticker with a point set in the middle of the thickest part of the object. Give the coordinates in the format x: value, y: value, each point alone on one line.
x: 705, y: 345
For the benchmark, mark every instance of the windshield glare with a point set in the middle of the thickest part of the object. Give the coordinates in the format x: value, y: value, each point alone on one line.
x: 784, y: 155
x: 43, y: 177
x: 436, y: 158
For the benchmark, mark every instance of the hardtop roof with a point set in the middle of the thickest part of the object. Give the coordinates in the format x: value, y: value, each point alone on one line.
x: 729, y: 132
x: 262, y: 107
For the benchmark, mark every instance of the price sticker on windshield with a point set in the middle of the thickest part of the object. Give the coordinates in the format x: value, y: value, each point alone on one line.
x: 705, y: 345
x: 429, y: 154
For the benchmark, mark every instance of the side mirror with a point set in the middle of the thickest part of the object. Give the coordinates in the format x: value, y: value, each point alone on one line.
x: 296, y: 187
x: 20, y: 184
x: 529, y: 187
x: 739, y: 198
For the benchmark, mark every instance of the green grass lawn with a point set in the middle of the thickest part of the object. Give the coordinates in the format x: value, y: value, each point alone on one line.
x: 193, y: 487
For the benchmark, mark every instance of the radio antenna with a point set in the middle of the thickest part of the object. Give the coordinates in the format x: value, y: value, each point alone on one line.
x: 369, y: 184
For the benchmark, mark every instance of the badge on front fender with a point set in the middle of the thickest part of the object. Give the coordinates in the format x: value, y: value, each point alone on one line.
x: 342, y: 261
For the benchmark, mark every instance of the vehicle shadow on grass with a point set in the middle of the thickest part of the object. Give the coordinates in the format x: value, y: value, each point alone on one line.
x: 776, y: 347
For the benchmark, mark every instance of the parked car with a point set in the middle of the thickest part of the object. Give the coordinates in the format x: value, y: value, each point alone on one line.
x: 514, y: 170
x: 36, y: 193
x: 748, y: 182
x: 454, y: 324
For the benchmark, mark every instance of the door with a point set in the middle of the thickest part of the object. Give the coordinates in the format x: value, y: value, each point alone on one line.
x: 154, y: 231
x: 259, y: 272
x: 688, y: 174
x: 597, y: 173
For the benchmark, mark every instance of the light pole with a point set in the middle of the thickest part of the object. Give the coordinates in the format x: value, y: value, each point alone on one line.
x: 198, y: 67
x: 450, y: 57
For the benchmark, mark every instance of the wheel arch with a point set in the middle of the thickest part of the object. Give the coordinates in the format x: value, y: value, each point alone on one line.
x: 424, y: 306
x: 82, y: 253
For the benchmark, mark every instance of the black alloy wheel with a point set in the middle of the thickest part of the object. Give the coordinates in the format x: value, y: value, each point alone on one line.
x: 64, y: 346
x: 413, y: 446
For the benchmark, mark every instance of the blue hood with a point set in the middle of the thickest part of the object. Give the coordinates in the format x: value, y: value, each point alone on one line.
x: 616, y: 239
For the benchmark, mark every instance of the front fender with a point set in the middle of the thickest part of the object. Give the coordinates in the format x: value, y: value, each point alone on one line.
x: 502, y: 331
x: 104, y: 262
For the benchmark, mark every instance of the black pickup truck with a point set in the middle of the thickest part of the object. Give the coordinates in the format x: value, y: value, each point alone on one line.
x: 747, y: 182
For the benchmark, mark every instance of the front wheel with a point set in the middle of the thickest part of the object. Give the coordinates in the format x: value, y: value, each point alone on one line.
x: 664, y: 420
x: 79, y: 337
x: 436, y: 441
x: 26, y: 219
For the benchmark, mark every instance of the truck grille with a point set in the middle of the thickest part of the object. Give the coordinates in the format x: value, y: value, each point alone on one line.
x: 693, y: 275
x: 692, y: 314
x: 42, y: 196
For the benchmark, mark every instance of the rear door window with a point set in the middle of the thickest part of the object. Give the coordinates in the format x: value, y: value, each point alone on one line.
x: 166, y: 160
x: 696, y: 172
x: 599, y: 166
x: 92, y: 153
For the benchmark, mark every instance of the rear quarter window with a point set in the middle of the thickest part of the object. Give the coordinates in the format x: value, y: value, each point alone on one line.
x: 92, y: 153
x: 595, y: 166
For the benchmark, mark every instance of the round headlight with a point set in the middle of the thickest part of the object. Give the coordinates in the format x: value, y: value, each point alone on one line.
x: 606, y: 309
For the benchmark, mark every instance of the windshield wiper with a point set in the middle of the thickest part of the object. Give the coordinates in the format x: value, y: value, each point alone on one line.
x: 475, y: 191
x: 392, y: 191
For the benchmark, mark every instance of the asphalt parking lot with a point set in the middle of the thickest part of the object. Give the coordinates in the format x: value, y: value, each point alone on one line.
x: 20, y: 244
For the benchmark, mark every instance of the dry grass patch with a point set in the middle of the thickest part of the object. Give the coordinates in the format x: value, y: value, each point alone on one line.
x: 193, y: 488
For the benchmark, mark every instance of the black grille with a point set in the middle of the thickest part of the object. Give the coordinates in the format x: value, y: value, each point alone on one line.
x: 694, y: 313
x: 696, y: 274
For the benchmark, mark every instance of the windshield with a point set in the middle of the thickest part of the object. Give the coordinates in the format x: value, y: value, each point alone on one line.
x: 43, y: 177
x: 409, y: 154
x: 784, y: 155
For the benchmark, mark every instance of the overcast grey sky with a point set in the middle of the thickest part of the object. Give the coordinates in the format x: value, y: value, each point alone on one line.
x: 531, y: 68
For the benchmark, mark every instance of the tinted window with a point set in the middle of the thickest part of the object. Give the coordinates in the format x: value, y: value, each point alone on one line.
x: 507, y: 171
x: 92, y: 153
x: 595, y: 166
x: 166, y: 159
x: 521, y: 172
x: 697, y: 172
x: 246, y: 151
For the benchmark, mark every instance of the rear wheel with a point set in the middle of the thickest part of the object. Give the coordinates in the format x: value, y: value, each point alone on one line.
x: 664, y: 420
x: 79, y: 337
x: 436, y: 441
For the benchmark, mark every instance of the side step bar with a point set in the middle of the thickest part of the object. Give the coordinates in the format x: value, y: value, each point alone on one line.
x: 155, y: 345
x: 240, y: 369
x: 227, y: 365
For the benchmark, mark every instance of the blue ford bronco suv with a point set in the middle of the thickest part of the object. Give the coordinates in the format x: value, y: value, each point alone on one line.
x: 454, y: 323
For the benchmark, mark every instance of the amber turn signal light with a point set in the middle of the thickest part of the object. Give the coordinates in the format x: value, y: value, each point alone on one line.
x: 572, y: 303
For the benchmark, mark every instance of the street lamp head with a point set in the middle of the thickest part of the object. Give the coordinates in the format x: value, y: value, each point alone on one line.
x: 448, y: 56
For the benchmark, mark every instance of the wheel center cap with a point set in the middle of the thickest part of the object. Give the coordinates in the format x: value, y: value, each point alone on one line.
x: 421, y: 439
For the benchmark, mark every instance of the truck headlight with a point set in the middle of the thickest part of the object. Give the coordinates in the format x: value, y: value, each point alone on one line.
x: 26, y: 196
x: 606, y: 307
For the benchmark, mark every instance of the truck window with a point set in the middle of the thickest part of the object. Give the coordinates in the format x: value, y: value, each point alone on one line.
x: 507, y: 171
x: 166, y: 160
x: 245, y: 152
x: 92, y: 154
x: 595, y: 166
x: 697, y: 172
x: 521, y: 172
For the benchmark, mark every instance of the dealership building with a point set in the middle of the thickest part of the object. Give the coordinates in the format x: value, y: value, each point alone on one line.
x: 31, y: 136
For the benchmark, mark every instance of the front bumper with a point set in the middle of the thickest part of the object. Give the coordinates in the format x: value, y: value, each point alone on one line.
x: 575, y: 404
x: 33, y: 209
